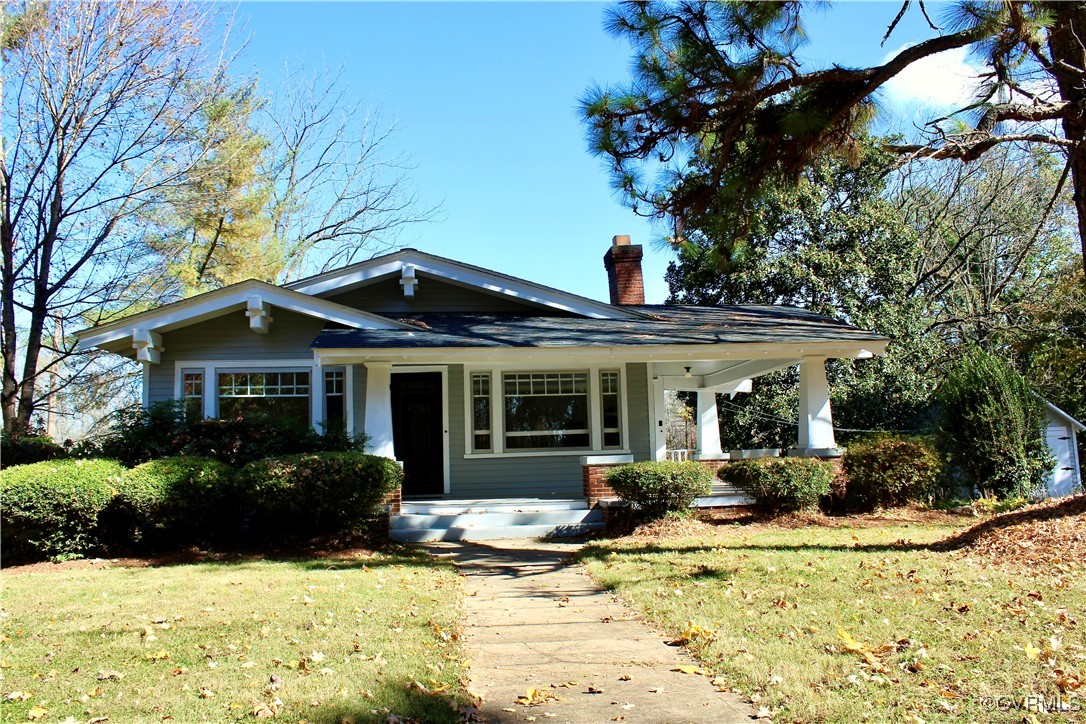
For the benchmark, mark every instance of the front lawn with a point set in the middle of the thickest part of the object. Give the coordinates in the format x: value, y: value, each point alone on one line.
x: 859, y: 622
x: 353, y: 638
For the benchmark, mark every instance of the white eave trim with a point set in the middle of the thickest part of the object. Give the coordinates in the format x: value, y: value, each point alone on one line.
x: 643, y: 353
x: 229, y: 299
x: 459, y: 273
x: 1062, y: 415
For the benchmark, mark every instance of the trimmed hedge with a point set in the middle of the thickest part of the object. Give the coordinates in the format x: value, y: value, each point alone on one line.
x: 780, y: 485
x: 659, y: 488
x: 168, y: 429
x: 28, y: 449
x: 312, y: 494
x: 173, y: 500
x: 887, y: 470
x: 51, y: 509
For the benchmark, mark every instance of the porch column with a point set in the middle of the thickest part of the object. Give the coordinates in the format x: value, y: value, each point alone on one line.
x: 379, y: 409
x: 815, y: 417
x: 316, y: 397
x: 708, y: 427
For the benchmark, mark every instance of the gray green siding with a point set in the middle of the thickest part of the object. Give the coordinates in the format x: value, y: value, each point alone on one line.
x: 637, y: 399
x: 558, y: 475
x: 386, y: 297
x: 229, y: 338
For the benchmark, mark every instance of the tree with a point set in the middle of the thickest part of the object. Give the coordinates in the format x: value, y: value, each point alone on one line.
x: 720, y: 111
x: 992, y: 426
x: 336, y: 188
x: 95, y: 99
x: 838, y: 245
x: 217, y: 232
x: 935, y: 260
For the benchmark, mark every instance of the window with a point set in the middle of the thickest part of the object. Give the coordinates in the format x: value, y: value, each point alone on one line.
x: 192, y: 392
x: 545, y: 410
x: 335, y: 408
x: 284, y: 395
x: 609, y: 402
x: 480, y: 413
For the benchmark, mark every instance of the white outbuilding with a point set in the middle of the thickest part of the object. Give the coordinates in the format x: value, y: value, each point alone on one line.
x: 1060, y: 434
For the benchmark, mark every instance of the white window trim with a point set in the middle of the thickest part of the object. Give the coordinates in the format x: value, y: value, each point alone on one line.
x: 622, y: 431
x: 211, y: 369
x: 444, y: 370
x: 470, y: 419
x: 497, y: 411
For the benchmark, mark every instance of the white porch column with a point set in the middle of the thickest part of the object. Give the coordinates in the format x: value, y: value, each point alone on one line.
x: 146, y: 397
x: 815, y: 418
x: 316, y: 398
x: 708, y: 427
x: 379, y: 409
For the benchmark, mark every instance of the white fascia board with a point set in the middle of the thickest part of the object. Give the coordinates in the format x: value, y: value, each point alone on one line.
x: 462, y: 274
x: 234, y: 298
x: 1062, y: 415
x: 766, y: 354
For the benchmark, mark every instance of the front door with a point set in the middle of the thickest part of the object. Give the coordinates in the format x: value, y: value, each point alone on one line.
x: 417, y: 434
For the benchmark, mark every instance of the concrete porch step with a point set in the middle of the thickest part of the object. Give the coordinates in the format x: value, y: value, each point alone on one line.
x: 492, y: 519
x: 495, y: 505
x: 420, y: 535
x: 495, y: 519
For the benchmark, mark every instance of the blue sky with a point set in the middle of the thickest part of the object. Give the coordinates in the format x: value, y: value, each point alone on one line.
x: 485, y: 97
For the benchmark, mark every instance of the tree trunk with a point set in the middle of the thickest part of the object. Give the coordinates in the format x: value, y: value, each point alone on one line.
x: 1065, y: 44
x: 7, y: 303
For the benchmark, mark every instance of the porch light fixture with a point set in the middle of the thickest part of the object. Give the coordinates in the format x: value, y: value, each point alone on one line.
x: 687, y: 375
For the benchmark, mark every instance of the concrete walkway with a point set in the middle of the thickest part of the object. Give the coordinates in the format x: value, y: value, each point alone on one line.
x: 532, y: 622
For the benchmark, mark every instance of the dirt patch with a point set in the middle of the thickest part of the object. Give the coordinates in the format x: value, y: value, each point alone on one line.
x: 895, y: 516
x: 671, y: 527
x: 1051, y: 532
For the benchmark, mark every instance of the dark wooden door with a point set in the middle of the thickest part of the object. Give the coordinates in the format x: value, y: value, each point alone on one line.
x: 417, y: 434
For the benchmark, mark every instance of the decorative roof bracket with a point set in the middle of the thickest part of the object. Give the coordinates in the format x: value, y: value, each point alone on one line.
x: 148, y: 346
x: 259, y: 313
x: 408, y: 280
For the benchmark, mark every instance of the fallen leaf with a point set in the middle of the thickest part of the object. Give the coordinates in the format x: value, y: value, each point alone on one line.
x: 36, y: 712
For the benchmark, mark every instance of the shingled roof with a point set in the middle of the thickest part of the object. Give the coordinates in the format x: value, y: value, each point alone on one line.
x: 663, y: 325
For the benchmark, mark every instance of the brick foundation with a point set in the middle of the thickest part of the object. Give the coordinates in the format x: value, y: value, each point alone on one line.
x: 595, y: 482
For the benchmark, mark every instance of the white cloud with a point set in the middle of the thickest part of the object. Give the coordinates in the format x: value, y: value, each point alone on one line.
x: 945, y: 81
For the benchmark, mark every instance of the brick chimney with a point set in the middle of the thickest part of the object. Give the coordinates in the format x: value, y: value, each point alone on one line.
x: 623, y: 264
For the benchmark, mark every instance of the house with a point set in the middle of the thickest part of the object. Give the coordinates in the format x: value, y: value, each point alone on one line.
x: 501, y: 397
x: 1061, y: 433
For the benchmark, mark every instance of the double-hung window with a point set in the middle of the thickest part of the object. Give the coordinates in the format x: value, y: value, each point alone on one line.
x: 192, y: 392
x: 544, y: 410
x: 481, y: 432
x: 282, y: 395
x: 335, y: 408
x: 610, y: 397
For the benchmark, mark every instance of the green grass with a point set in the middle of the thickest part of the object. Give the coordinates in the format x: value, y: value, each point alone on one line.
x: 345, y: 638
x: 934, y: 633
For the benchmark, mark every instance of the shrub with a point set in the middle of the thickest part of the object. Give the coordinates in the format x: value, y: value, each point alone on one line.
x: 28, y: 449
x: 51, y: 508
x: 659, y: 488
x: 992, y: 426
x: 167, y: 429
x: 887, y: 470
x: 317, y: 493
x: 780, y: 485
x: 173, y: 500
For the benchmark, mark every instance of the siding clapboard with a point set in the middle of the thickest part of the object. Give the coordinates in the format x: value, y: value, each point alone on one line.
x: 229, y: 338
x: 386, y: 297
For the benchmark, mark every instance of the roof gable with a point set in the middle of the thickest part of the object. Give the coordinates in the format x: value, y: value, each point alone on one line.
x: 225, y: 301
x: 339, y: 281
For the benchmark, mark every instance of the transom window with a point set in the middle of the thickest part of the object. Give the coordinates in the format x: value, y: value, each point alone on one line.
x: 545, y: 410
x: 283, y: 395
